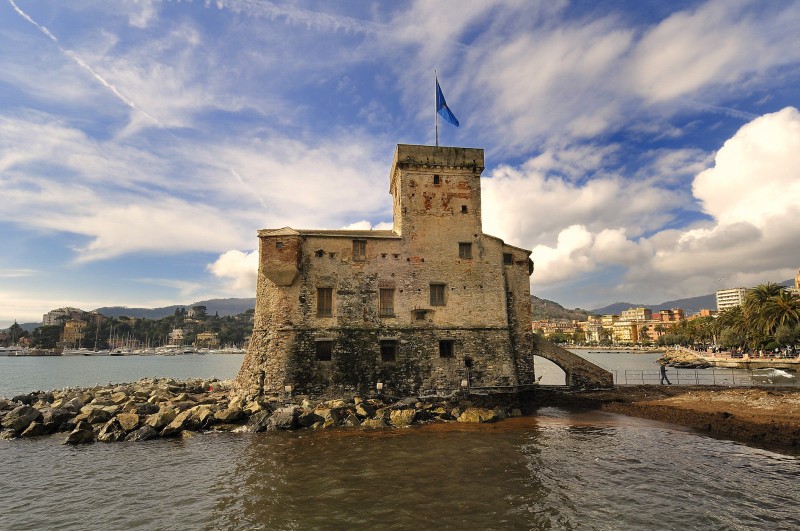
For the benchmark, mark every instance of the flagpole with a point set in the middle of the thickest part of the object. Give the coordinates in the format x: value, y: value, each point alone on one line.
x: 435, y: 103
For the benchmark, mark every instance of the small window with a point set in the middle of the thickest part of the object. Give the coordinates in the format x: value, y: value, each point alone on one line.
x: 446, y: 348
x: 324, y: 302
x: 279, y: 245
x: 386, y: 296
x: 324, y: 350
x: 389, y: 350
x: 419, y: 315
x: 463, y: 209
x: 465, y: 251
x: 436, y: 179
x: 359, y: 250
x: 508, y: 258
x: 437, y: 294
x: 319, y: 253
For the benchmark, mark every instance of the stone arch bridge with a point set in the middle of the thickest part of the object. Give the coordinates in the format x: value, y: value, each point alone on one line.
x: 580, y: 372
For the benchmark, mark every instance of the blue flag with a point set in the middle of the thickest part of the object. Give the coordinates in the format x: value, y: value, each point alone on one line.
x: 442, y: 108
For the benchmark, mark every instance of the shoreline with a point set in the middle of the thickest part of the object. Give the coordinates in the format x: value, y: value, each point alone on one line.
x: 767, y: 418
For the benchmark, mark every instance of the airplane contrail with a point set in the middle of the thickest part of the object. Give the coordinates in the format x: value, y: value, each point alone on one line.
x: 80, y: 62
x: 250, y: 188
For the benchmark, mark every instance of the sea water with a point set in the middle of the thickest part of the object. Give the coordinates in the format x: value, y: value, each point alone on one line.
x: 556, y: 468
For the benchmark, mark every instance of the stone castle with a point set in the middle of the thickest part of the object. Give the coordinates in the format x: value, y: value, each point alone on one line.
x: 432, y: 306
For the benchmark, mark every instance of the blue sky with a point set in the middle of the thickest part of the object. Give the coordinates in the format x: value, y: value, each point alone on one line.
x: 643, y: 150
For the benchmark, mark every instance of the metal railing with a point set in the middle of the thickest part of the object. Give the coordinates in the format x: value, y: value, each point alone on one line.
x: 712, y: 376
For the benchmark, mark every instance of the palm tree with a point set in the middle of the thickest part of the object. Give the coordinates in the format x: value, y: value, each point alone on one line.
x: 781, y: 309
x: 754, y: 303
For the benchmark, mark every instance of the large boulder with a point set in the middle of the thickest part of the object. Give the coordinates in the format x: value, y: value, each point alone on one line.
x: 6, y: 404
x: 128, y: 421
x: 402, y: 417
x: 258, y: 421
x: 161, y: 419
x: 112, y: 431
x: 284, y: 418
x: 184, y: 421
x: 20, y: 418
x: 145, y: 433
x: 56, y: 419
x: 34, y: 429
x: 477, y: 414
x: 231, y: 414
x: 82, y: 434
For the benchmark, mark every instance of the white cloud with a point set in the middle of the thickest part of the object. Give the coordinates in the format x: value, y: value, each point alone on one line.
x: 240, y: 271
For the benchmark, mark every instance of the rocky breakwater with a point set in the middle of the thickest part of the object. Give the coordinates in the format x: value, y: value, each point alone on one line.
x: 683, y: 359
x: 158, y: 408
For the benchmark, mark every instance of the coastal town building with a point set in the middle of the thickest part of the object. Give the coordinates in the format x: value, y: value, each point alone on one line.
x: 433, y: 305
x: 72, y: 334
x: 61, y: 315
x: 730, y: 298
x: 636, y: 314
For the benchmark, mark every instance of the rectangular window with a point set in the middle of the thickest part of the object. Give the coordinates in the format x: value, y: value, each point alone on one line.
x: 359, y: 250
x: 389, y: 350
x: 437, y: 294
x: 465, y: 251
x: 435, y: 179
x: 386, y: 302
x: 446, y: 348
x: 279, y: 245
x: 324, y: 302
x: 324, y: 350
x: 508, y: 258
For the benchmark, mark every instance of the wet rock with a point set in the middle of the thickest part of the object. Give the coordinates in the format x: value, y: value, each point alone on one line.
x: 477, y: 414
x: 82, y: 434
x: 284, y: 418
x: 365, y: 410
x: 27, y: 399
x: 258, y: 421
x: 7, y: 435
x: 74, y: 404
x: 34, y: 429
x: 229, y: 414
x: 183, y: 421
x: 402, y: 417
x: 146, y: 408
x: 351, y: 421
x: 128, y: 421
x: 56, y: 419
x: 112, y: 431
x: 161, y: 418
x: 20, y: 418
x: 308, y: 419
x: 6, y: 405
x: 375, y: 423
x: 145, y: 433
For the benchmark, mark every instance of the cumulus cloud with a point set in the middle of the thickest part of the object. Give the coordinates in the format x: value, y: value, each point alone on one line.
x: 751, y: 196
x: 239, y: 269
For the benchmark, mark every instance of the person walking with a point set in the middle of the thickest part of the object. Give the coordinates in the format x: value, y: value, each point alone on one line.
x: 664, y: 375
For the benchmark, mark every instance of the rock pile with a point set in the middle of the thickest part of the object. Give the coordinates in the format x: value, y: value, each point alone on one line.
x: 683, y: 359
x: 153, y: 408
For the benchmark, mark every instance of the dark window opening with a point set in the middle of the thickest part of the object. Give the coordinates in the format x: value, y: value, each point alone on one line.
x: 463, y: 209
x: 437, y: 294
x: 324, y: 302
x: 468, y: 363
x: 389, y: 350
x: 508, y: 258
x: 446, y: 348
x: 319, y: 253
x: 396, y: 256
x: 359, y: 250
x: 386, y: 305
x: 324, y: 349
x: 435, y: 179
x: 465, y: 251
x: 279, y: 245
x: 419, y: 315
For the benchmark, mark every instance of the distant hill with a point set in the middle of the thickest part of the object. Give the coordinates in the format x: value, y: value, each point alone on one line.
x: 690, y: 304
x: 542, y: 309
x: 223, y: 307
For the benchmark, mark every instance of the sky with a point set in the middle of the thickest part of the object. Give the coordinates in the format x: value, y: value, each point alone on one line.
x: 643, y: 150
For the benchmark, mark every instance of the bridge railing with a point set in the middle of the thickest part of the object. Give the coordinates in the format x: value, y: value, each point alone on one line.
x: 712, y: 376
